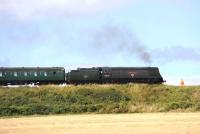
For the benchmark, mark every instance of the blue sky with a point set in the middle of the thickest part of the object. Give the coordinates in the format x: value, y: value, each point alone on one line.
x: 86, y: 33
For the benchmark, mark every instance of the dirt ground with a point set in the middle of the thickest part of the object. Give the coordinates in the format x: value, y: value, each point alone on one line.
x: 156, y: 123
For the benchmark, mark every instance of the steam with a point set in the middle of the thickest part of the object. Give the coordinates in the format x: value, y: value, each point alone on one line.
x: 121, y: 39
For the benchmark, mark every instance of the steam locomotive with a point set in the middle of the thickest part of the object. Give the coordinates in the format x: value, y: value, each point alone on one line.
x: 58, y: 75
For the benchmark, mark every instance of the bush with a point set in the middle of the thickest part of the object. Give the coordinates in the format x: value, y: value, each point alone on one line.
x: 98, y: 99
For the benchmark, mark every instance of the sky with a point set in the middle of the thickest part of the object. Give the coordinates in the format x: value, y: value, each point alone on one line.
x: 87, y: 33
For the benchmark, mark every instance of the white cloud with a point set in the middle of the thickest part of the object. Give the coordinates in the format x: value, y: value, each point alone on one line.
x: 34, y: 9
x: 26, y: 9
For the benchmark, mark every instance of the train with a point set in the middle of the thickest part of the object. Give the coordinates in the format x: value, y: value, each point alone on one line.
x: 99, y: 75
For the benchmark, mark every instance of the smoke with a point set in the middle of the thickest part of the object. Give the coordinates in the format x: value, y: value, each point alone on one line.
x: 176, y: 53
x: 121, y: 40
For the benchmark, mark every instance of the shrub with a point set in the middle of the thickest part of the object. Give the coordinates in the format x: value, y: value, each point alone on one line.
x: 92, y: 98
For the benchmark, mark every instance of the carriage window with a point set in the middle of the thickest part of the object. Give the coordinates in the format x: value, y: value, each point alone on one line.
x: 45, y: 73
x: 1, y: 74
x: 25, y: 73
x: 35, y: 74
x: 54, y: 73
x: 15, y: 74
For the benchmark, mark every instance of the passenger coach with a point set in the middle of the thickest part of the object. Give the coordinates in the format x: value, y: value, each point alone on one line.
x: 25, y: 75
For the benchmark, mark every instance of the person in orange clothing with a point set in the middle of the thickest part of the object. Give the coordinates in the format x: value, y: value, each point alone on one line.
x: 182, y: 83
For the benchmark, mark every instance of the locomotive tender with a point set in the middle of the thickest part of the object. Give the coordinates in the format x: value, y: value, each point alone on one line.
x: 57, y: 75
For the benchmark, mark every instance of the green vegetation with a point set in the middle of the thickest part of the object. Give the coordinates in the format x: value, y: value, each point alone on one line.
x: 125, y: 98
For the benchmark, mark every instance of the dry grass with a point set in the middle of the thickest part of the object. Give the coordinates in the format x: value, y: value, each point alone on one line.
x: 94, y: 98
x: 156, y: 123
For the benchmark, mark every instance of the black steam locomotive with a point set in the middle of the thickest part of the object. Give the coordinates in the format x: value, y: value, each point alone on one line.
x: 101, y: 75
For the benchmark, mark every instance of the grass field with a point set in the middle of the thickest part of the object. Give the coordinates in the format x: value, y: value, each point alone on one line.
x: 151, y: 123
x: 122, y: 98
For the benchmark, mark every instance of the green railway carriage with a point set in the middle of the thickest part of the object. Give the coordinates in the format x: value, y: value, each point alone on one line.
x: 25, y: 75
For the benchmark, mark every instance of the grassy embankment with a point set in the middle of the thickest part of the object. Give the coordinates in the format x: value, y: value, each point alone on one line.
x: 126, y: 98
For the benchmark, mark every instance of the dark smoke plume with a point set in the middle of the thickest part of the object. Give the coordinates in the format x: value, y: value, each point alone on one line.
x: 121, y: 39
